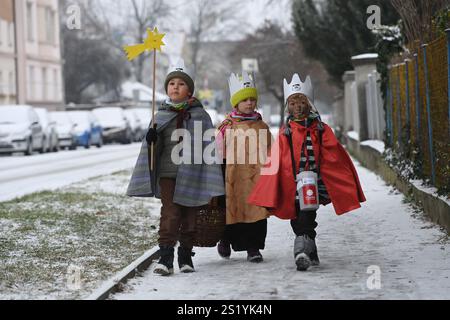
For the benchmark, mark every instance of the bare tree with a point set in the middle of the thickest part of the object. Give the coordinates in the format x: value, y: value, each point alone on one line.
x: 417, y: 16
x: 146, y: 14
x: 118, y: 21
x: 92, y: 65
x: 279, y: 55
x: 209, y: 19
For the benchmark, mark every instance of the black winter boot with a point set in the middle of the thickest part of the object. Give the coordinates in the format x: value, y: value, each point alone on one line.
x: 165, y: 263
x: 185, y: 260
x: 254, y: 255
x: 224, y: 249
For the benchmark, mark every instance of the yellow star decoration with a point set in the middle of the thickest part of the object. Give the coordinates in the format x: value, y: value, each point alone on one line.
x: 205, y: 94
x: 153, y: 42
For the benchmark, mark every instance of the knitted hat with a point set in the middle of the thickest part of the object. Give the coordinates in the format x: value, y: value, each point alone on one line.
x: 241, y: 88
x: 178, y: 70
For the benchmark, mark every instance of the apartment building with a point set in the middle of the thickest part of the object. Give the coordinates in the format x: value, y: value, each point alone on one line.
x: 8, y: 92
x: 30, y: 53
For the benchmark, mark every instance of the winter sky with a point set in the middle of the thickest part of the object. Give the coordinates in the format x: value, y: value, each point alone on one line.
x: 258, y: 11
x: 252, y: 13
x: 255, y: 11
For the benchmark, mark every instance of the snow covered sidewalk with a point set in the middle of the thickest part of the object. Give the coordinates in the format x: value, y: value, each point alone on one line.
x: 386, y: 234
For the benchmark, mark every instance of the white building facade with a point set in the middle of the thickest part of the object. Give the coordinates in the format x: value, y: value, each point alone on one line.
x: 30, y: 53
x: 8, y: 92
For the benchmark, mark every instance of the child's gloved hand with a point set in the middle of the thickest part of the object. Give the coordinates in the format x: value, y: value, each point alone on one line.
x: 152, y: 136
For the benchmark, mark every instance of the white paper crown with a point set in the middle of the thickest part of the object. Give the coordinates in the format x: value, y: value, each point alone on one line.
x: 179, y: 66
x: 297, y: 86
x: 237, y: 83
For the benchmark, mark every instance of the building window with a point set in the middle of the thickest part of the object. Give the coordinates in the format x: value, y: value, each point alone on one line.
x: 12, y: 84
x: 44, y: 84
x: 31, y: 83
x: 50, y: 25
x: 1, y: 32
x: 11, y: 35
x: 30, y: 22
x: 56, y: 85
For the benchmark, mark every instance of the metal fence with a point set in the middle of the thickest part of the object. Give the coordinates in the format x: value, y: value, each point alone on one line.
x: 418, y: 110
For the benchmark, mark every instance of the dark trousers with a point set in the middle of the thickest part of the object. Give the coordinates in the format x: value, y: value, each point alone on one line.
x: 305, y: 224
x: 246, y: 236
x: 177, y: 223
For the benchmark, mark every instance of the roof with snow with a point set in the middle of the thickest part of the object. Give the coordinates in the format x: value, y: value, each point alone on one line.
x: 145, y: 93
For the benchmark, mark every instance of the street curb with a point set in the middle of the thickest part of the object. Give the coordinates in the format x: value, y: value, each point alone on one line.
x: 116, y: 283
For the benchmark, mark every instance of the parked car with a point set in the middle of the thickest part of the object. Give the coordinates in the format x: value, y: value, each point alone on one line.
x: 20, y: 130
x: 135, y: 124
x: 145, y: 117
x: 51, y: 140
x: 87, y: 129
x: 65, y: 129
x: 116, y: 127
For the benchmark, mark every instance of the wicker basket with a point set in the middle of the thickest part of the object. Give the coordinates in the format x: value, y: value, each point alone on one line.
x: 210, y: 225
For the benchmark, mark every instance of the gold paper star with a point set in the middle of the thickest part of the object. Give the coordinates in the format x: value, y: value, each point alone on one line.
x: 153, y: 42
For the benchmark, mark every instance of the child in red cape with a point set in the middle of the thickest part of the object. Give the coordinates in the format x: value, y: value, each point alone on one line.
x: 315, y: 148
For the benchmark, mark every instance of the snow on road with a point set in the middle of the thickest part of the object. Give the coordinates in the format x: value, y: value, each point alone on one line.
x: 385, y: 235
x: 23, y: 175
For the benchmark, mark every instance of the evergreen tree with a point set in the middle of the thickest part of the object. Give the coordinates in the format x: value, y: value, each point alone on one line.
x: 334, y: 31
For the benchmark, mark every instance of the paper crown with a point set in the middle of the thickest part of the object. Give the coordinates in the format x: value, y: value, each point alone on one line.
x: 241, y: 88
x: 297, y: 86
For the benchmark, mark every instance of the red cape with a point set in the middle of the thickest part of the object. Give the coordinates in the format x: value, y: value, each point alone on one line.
x: 276, y: 191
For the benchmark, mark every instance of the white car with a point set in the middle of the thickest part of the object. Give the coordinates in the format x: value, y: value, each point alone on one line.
x: 51, y: 140
x: 20, y: 130
x: 65, y: 129
x: 144, y: 116
x: 135, y: 124
x: 116, y: 127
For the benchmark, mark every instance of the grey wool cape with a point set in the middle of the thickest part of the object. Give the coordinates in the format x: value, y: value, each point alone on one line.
x: 196, y: 184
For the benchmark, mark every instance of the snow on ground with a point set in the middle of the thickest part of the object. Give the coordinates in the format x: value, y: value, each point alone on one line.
x: 375, y: 144
x: 354, y: 135
x: 23, y: 175
x: 419, y: 184
x: 412, y: 254
x: 90, y: 226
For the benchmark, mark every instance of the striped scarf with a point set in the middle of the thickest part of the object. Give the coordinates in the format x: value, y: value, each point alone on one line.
x: 178, y: 106
x: 237, y: 116
x: 308, y: 160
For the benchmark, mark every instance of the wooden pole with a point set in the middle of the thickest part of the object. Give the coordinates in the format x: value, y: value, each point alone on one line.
x: 153, y: 109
